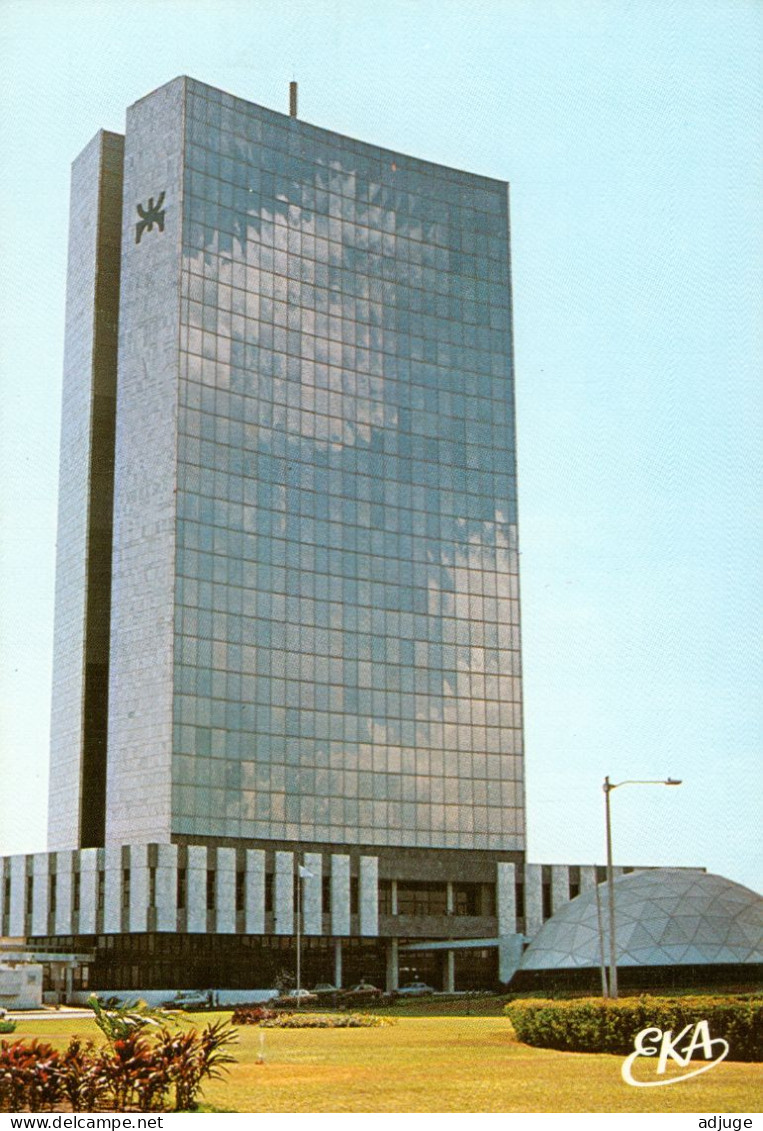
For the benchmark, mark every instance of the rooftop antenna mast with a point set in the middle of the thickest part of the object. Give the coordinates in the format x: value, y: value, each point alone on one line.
x: 293, y: 99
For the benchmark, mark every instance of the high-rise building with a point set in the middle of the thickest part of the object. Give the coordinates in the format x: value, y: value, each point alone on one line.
x: 312, y: 568
x: 287, y: 647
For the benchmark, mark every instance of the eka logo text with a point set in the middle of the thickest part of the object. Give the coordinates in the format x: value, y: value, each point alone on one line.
x: 650, y: 1042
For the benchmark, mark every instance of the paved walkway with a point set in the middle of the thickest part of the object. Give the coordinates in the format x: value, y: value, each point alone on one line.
x: 70, y: 1012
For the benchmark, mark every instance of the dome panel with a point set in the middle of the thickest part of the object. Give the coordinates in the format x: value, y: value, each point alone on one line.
x: 751, y: 932
x: 675, y: 931
x: 698, y: 955
x: 636, y: 909
x: 735, y: 936
x: 729, y: 954
x: 638, y: 936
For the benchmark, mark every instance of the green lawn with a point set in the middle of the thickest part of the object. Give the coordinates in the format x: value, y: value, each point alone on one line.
x: 435, y: 1063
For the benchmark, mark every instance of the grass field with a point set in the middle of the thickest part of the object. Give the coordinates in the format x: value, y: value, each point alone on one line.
x: 432, y: 1063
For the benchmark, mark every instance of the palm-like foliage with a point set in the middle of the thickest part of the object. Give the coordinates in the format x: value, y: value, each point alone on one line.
x: 117, y: 1022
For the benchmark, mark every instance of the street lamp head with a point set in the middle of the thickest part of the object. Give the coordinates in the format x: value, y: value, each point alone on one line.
x: 610, y: 785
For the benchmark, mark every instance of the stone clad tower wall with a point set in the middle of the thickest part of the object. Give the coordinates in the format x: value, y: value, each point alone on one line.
x: 83, y: 561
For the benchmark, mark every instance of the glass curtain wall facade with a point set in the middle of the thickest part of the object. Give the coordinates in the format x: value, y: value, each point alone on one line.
x: 347, y: 620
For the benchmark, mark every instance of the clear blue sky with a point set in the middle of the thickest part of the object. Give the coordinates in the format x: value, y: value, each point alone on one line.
x: 630, y: 134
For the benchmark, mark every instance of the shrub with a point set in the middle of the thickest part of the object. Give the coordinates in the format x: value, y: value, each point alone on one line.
x: 191, y: 1057
x: 134, y: 1072
x: 7, y: 1026
x: 326, y: 1021
x: 81, y: 1075
x: 129, y: 1067
x: 28, y: 1077
x: 599, y: 1025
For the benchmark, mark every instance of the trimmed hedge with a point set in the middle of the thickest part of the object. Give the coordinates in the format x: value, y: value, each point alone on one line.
x: 598, y: 1025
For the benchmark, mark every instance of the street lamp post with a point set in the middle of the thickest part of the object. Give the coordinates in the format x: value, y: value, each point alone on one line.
x: 608, y: 787
x: 299, y: 933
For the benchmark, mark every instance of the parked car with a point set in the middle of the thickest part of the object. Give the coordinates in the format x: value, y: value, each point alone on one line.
x: 325, y: 989
x: 415, y: 989
x: 363, y: 991
x: 296, y: 997
x: 189, y: 999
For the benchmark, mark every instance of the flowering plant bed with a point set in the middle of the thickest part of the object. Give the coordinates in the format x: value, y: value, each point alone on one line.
x: 252, y: 1015
x: 326, y: 1021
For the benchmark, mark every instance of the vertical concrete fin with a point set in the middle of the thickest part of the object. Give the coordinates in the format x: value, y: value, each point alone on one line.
x: 587, y: 877
x: 533, y: 899
x: 312, y: 894
x: 225, y: 897
x: 254, y: 908
x: 560, y: 886
x: 112, y: 905
x: 17, y: 915
x: 368, y: 895
x: 340, y: 894
x: 166, y: 887
x: 64, y: 884
x: 506, y: 898
x: 196, y: 889
x: 88, y: 891
x: 41, y: 895
x: 283, y: 893
x: 138, y: 921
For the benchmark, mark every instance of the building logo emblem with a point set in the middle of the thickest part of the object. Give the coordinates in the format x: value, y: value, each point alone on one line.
x: 649, y: 1041
x: 150, y: 215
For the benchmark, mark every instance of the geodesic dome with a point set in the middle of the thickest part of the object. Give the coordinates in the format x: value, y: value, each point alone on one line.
x: 664, y: 917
